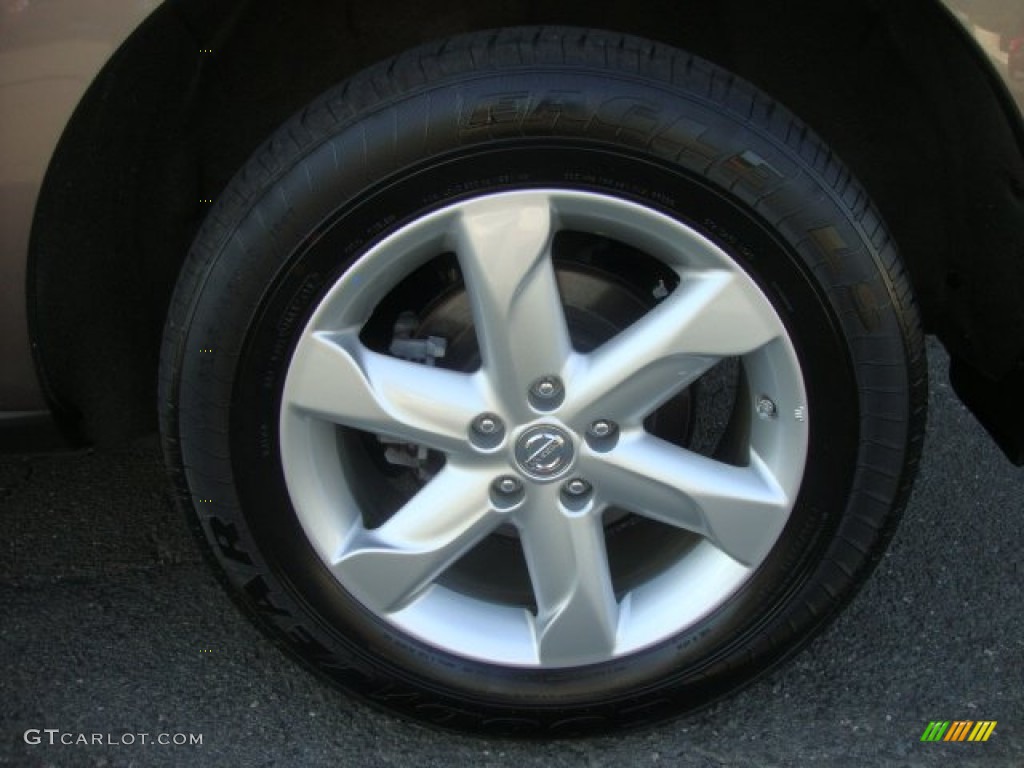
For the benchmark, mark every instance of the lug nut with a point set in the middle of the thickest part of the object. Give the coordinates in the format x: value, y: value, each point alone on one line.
x: 602, y: 435
x: 507, y: 485
x: 577, y: 487
x: 547, y: 388
x: 486, y: 432
x: 487, y: 424
x: 766, y: 408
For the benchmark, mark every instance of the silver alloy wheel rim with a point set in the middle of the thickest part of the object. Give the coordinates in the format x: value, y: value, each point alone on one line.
x: 503, y: 245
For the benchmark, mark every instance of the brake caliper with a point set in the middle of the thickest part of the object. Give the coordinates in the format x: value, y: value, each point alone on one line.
x: 425, y: 351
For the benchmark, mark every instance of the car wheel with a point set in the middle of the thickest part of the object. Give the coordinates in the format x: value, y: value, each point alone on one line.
x: 543, y: 381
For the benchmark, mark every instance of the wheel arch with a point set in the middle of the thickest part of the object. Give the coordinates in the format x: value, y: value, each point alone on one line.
x: 890, y: 86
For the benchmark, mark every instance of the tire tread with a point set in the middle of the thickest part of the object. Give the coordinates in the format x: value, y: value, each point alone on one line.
x: 856, y: 547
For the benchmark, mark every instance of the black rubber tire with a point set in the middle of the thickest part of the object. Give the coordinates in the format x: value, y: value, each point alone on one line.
x: 519, y: 108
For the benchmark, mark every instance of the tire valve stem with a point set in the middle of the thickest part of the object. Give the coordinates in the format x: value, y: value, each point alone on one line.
x: 766, y: 408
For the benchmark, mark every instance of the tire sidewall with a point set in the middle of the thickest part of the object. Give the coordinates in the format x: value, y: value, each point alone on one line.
x: 664, y: 148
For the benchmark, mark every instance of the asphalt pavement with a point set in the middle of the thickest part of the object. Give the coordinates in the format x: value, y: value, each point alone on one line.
x: 112, y: 626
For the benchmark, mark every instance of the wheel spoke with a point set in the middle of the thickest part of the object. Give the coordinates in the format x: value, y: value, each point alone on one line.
x: 503, y: 248
x: 577, y: 614
x: 741, y: 510
x: 390, y: 566
x: 334, y: 377
x: 710, y: 316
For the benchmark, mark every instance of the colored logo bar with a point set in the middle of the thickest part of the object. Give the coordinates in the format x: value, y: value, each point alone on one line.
x: 958, y: 730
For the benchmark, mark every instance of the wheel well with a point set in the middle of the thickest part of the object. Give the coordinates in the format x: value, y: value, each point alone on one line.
x: 891, y: 86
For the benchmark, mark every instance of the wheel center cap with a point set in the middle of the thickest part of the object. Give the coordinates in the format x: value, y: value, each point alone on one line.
x: 544, y: 452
